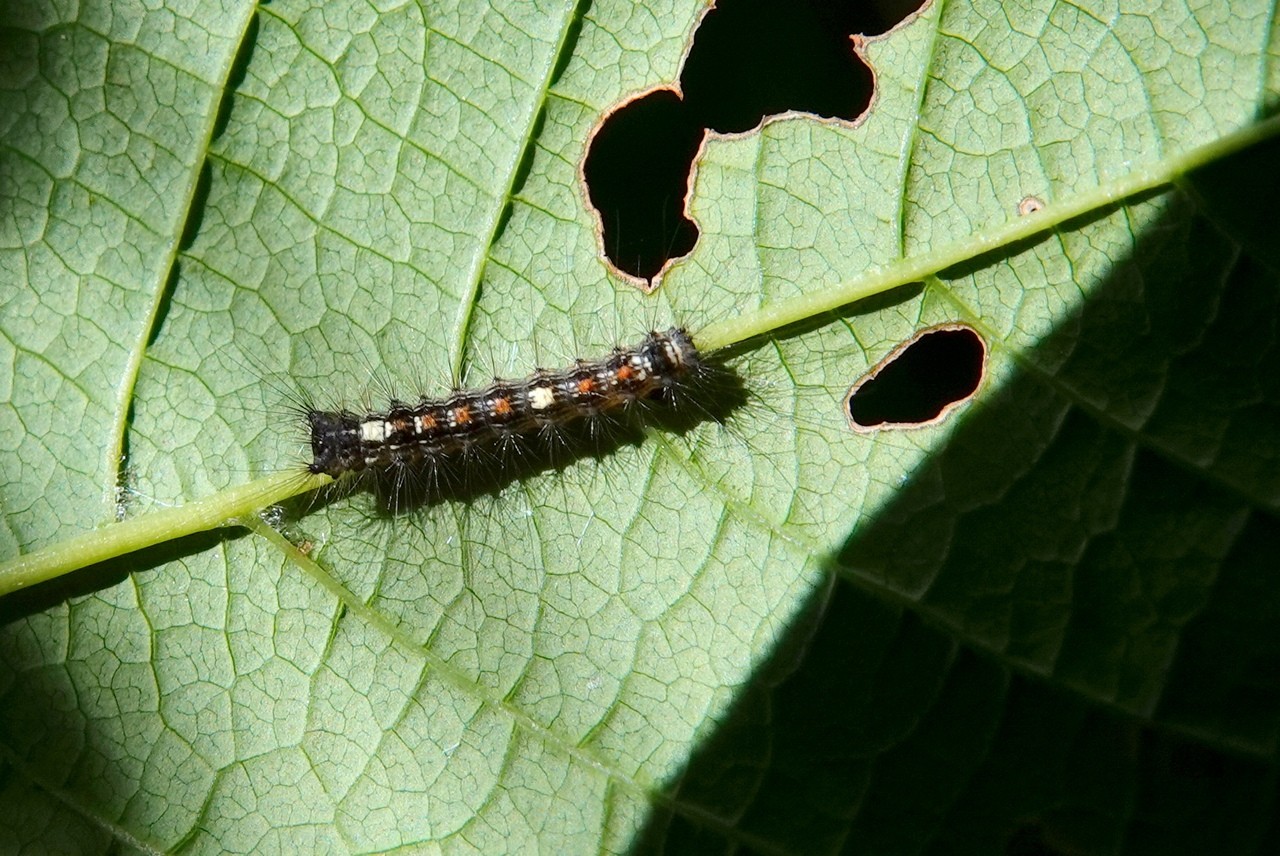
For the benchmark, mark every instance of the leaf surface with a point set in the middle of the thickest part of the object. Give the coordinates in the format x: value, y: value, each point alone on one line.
x: 1050, y: 620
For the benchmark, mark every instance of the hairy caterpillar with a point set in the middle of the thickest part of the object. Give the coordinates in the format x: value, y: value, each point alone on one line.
x: 475, y: 440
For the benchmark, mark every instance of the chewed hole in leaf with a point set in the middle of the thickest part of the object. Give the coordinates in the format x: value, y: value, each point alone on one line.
x: 637, y: 176
x: 749, y: 61
x: 922, y: 381
x: 1030, y: 205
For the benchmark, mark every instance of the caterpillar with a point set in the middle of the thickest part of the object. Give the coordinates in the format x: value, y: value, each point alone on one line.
x: 470, y: 439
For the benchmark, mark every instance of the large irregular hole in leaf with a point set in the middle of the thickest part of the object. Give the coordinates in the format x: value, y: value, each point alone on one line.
x: 750, y: 61
x: 921, y: 381
x: 637, y: 172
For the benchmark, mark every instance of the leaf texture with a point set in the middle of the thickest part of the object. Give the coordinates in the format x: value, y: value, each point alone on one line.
x: 1049, y: 621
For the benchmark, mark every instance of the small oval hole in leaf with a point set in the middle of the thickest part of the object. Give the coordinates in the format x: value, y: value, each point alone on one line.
x: 921, y: 381
x: 1030, y: 205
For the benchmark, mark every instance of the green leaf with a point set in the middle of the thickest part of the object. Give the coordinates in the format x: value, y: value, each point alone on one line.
x: 1048, y: 622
